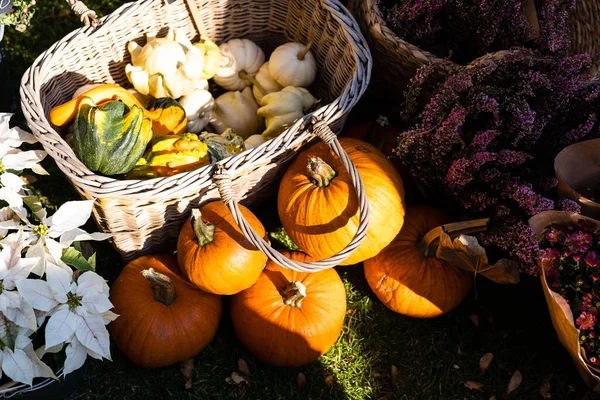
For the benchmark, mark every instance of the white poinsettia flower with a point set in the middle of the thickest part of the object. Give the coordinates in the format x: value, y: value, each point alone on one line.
x: 77, y: 308
x: 51, y: 235
x: 18, y: 359
x: 12, y: 158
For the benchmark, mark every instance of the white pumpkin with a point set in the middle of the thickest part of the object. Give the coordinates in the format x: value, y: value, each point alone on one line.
x: 281, y: 109
x: 266, y: 84
x: 292, y: 64
x: 198, y: 107
x: 236, y: 110
x: 254, y: 141
x: 239, y: 57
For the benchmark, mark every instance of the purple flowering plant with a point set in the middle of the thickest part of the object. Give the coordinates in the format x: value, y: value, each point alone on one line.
x: 570, y: 256
x: 471, y: 28
x: 484, y: 142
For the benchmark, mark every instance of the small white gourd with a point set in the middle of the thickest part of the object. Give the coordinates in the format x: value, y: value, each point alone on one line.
x: 236, y: 110
x: 292, y: 64
x: 264, y: 84
x: 254, y: 141
x: 198, y: 107
x: 240, y: 58
x: 281, y: 109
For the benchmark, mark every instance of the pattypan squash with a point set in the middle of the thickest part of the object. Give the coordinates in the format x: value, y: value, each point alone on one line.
x: 238, y: 111
x: 165, y: 67
x: 264, y: 83
x: 292, y: 64
x: 240, y: 59
x: 198, y: 107
x: 212, y: 57
x: 282, y: 109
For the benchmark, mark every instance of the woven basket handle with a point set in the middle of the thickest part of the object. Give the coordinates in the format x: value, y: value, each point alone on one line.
x: 88, y: 17
x: 223, y: 182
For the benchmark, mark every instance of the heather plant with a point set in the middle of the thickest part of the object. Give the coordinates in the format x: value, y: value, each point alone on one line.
x: 571, y: 260
x: 486, y: 140
x: 467, y: 29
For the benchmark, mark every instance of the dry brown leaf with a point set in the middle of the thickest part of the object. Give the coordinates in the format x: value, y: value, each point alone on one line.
x: 485, y: 360
x: 28, y: 179
x: 243, y: 367
x: 300, y: 381
x: 465, y: 252
x: 475, y: 319
x: 329, y: 380
x: 474, y: 385
x: 240, y: 378
x: 493, y: 398
x: 229, y: 380
x: 187, y: 370
x: 544, y: 392
x: 394, y: 370
x: 376, y: 374
x: 514, y: 382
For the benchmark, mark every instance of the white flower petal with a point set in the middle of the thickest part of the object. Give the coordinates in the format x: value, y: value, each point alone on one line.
x: 109, y: 316
x: 11, y: 181
x: 76, y: 355
x: 92, y: 333
x: 21, y: 136
x: 23, y: 160
x: 55, y: 249
x: 38, y: 169
x: 38, y: 250
x: 70, y: 215
x: 77, y: 235
x: 96, y: 303
x: 17, y: 366
x: 23, y: 315
x: 90, y: 283
x: 40, y: 369
x: 14, y: 199
x: 38, y: 293
x: 61, y: 327
x: 59, y: 281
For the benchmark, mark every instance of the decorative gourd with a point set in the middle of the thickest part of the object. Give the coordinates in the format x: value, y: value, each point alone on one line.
x: 162, y: 318
x: 318, y: 206
x: 264, y: 84
x: 254, y: 141
x: 292, y: 64
x: 170, y: 117
x: 236, y: 110
x: 223, y: 145
x: 165, y: 67
x: 240, y: 58
x: 408, y: 278
x: 171, y: 154
x: 290, y: 318
x: 212, y: 56
x: 110, y: 138
x: 198, y: 107
x: 214, y: 253
x: 282, y: 109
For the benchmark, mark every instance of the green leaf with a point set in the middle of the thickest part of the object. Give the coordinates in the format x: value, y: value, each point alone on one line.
x: 73, y: 257
x: 282, y: 237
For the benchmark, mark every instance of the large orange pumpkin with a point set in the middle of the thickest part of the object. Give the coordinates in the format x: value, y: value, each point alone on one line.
x: 162, y: 318
x: 290, y: 318
x: 318, y: 206
x: 408, y: 281
x: 214, y: 253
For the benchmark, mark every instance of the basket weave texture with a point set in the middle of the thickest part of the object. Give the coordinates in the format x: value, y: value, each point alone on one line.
x: 145, y: 216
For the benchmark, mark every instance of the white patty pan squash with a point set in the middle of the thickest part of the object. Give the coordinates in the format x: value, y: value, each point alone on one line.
x: 282, y: 109
x: 236, y: 110
x: 264, y: 84
x: 198, y: 107
x: 292, y: 64
x: 239, y: 58
x: 165, y: 67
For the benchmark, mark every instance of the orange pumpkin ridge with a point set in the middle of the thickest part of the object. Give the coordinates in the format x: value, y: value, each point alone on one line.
x: 163, y: 319
x: 409, y: 281
x: 215, y: 255
x: 290, y: 318
x: 323, y: 219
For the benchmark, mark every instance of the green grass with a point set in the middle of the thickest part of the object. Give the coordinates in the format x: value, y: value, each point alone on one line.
x: 433, y: 358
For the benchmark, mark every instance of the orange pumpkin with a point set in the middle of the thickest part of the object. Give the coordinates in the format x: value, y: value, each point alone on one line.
x: 215, y: 255
x: 318, y: 206
x: 290, y: 318
x: 411, y: 282
x: 162, y: 318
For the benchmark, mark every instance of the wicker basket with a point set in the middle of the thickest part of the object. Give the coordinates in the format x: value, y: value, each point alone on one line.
x: 585, y: 30
x: 145, y: 216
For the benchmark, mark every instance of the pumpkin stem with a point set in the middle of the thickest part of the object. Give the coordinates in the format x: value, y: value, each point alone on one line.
x: 253, y: 81
x: 164, y: 290
x: 293, y: 294
x: 306, y: 49
x: 319, y: 172
x: 205, y: 232
x: 428, y: 245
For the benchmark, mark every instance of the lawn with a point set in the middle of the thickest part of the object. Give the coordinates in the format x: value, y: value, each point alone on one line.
x: 380, y: 354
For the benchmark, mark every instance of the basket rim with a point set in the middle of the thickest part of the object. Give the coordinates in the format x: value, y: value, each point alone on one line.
x: 48, y: 136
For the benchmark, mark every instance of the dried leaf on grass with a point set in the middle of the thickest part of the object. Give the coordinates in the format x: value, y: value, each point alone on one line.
x: 243, y: 367
x: 300, y: 381
x: 544, y: 392
x: 514, y: 382
x: 475, y: 319
x: 238, y: 378
x: 394, y: 370
x: 485, y: 360
x: 329, y: 380
x: 465, y: 252
x: 187, y: 370
x: 474, y: 385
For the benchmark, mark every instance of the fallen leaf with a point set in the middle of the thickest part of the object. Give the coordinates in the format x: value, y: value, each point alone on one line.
x: 300, y: 381
x: 329, y: 380
x: 474, y: 385
x: 475, y: 319
x: 485, y: 360
x: 229, y: 380
x: 239, y: 378
x: 455, y: 366
x: 187, y: 370
x: 394, y: 370
x: 544, y: 392
x: 493, y: 398
x: 376, y: 374
x: 243, y: 367
x: 514, y: 382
